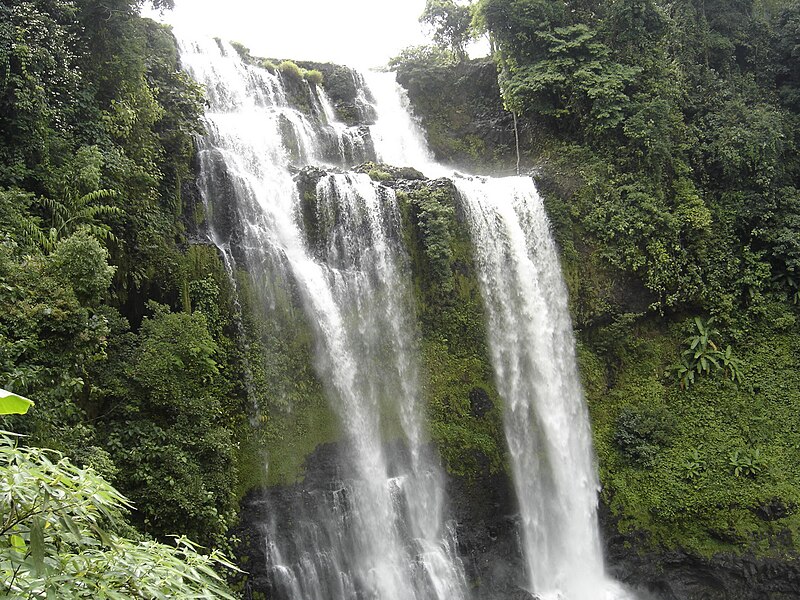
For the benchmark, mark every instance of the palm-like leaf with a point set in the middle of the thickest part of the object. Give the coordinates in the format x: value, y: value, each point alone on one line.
x: 74, y: 214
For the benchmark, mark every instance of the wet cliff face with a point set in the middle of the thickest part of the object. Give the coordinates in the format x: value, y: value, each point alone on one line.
x: 463, y: 410
x: 462, y: 113
x: 481, y: 510
x: 297, y: 428
x: 715, y: 538
x: 679, y: 575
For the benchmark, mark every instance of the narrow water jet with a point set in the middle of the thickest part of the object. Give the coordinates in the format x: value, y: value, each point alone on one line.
x: 546, y: 420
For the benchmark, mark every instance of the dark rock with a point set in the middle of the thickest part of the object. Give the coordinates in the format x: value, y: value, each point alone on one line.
x: 485, y: 516
x: 461, y: 110
x: 774, y: 509
x: 387, y: 173
x: 479, y: 402
x: 342, y: 86
x: 679, y: 575
x: 482, y: 510
x: 520, y: 594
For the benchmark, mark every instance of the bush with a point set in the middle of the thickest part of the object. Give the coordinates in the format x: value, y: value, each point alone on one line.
x: 61, y: 538
x: 267, y: 64
x: 642, y: 432
x: 83, y: 261
x: 313, y: 77
x: 170, y: 441
x: 291, y: 70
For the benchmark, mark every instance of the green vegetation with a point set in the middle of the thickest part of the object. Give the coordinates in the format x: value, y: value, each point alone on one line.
x: 64, y: 535
x: 288, y: 68
x: 292, y: 412
x: 242, y: 50
x: 666, y: 148
x: 121, y: 331
x: 313, y: 77
x: 13, y: 404
x: 703, y: 356
x: 291, y: 70
x: 707, y: 468
x: 464, y: 410
x: 679, y: 200
x: 72, y: 215
x: 295, y: 73
x: 664, y: 138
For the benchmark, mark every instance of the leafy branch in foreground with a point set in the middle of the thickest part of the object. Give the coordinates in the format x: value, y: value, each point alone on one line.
x: 58, y: 538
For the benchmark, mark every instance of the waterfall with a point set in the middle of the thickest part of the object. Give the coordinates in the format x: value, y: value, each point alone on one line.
x: 380, y: 531
x: 546, y: 421
x: 532, y: 352
x: 398, y: 138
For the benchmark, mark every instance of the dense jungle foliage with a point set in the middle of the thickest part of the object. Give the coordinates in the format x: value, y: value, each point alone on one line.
x: 664, y: 136
x: 114, y: 325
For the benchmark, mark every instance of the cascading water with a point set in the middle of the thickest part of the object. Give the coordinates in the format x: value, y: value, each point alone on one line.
x: 532, y: 351
x: 546, y: 421
x: 398, y: 138
x: 380, y: 532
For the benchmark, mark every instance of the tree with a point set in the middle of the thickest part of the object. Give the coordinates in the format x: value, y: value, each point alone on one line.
x: 176, y: 457
x: 576, y: 81
x: 81, y: 260
x: 450, y: 23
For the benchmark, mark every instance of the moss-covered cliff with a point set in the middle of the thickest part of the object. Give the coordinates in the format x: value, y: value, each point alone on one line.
x: 687, y: 331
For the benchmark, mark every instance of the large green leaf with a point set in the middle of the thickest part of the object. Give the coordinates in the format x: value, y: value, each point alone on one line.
x: 13, y: 404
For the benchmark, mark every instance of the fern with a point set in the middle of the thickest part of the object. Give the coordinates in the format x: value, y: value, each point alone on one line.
x: 74, y: 214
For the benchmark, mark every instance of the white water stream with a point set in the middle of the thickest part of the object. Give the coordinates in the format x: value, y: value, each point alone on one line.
x: 546, y: 421
x: 533, y: 355
x: 380, y: 533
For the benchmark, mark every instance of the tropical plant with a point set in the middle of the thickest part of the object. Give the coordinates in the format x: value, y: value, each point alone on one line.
x: 747, y: 463
x: 73, y: 214
x: 13, y: 404
x: 730, y: 365
x: 703, y: 356
x: 701, y: 345
x: 694, y: 466
x: 59, y: 537
x: 684, y: 372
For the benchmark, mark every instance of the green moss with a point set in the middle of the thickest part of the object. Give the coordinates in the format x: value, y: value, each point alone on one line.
x: 469, y: 443
x: 689, y: 494
x: 291, y: 415
x: 378, y: 175
x: 457, y: 378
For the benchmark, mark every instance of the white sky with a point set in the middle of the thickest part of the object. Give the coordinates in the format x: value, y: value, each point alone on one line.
x: 360, y: 33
